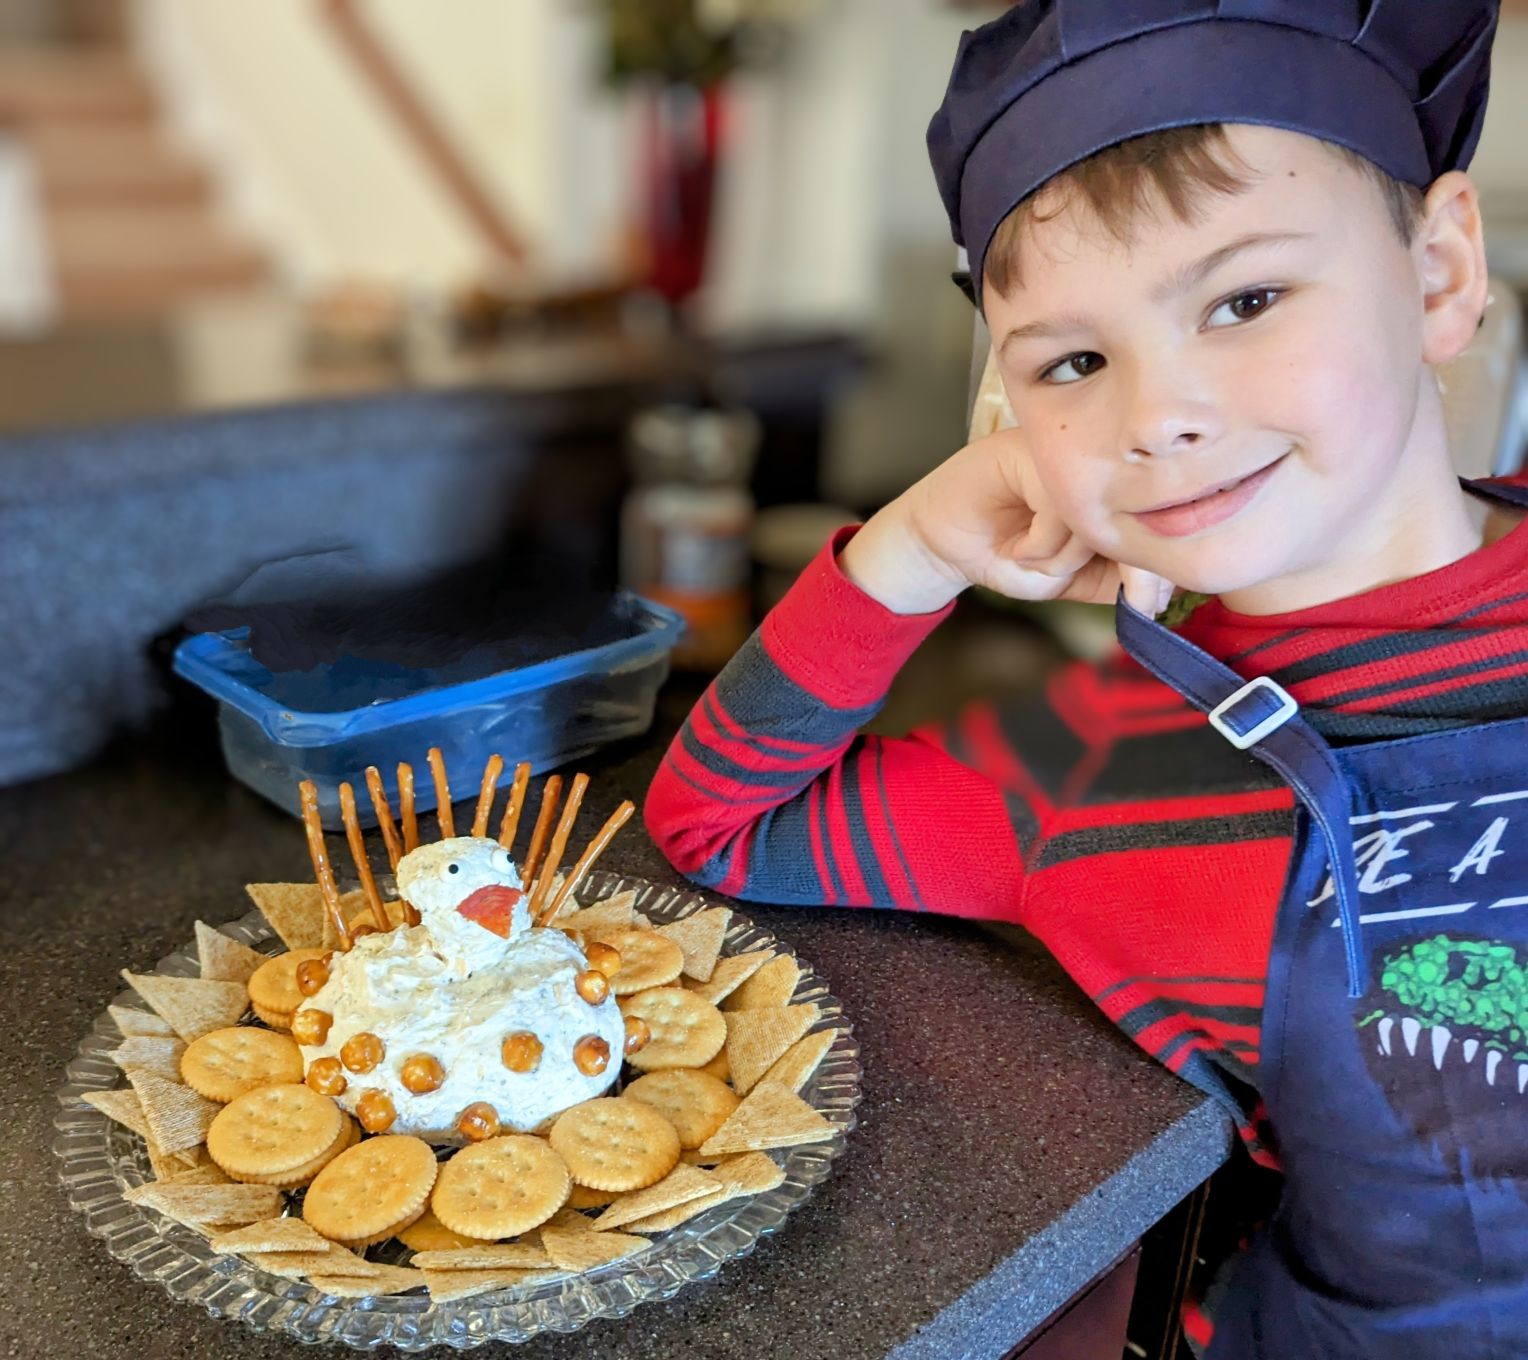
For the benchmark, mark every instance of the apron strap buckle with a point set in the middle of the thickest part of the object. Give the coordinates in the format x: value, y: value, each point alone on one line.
x: 1268, y: 706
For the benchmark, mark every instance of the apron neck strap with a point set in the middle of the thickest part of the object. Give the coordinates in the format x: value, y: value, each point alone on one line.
x: 1259, y: 717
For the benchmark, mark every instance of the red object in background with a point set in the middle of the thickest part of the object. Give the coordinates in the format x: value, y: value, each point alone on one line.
x: 682, y: 142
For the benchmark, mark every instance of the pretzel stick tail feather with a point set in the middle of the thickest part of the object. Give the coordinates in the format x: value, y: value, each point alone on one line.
x: 380, y: 806
x: 592, y: 852
x: 559, y: 843
x: 511, y: 823
x: 491, y: 772
x: 322, y: 871
x: 442, y: 794
x: 358, y: 854
x: 406, y: 813
x: 549, y: 796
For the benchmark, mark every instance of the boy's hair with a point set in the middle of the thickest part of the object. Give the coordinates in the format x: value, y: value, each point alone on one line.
x: 1178, y: 167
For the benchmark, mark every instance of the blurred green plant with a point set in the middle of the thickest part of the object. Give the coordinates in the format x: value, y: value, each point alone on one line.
x: 693, y: 42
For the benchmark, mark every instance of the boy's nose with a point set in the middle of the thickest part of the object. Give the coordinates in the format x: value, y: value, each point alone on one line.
x: 1165, y: 441
x: 1163, y: 423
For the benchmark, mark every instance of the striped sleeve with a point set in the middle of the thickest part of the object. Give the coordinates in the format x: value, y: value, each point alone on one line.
x: 770, y: 792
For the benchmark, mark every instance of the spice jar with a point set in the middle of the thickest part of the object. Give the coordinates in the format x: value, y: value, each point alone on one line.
x: 686, y: 524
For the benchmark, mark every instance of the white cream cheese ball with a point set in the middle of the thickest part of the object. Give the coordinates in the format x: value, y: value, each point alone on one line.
x: 453, y: 989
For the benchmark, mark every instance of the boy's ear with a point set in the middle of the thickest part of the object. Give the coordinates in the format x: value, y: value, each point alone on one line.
x: 1451, y: 266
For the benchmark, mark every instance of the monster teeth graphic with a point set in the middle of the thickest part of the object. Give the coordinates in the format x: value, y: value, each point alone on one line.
x: 1435, y: 1042
x: 1445, y: 1035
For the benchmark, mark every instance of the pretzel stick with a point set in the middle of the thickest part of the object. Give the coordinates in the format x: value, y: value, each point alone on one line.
x: 592, y: 852
x: 442, y: 794
x: 543, y: 886
x: 321, y: 870
x: 511, y: 822
x: 406, y: 807
x: 380, y: 806
x: 491, y: 772
x: 362, y: 860
x: 549, y: 795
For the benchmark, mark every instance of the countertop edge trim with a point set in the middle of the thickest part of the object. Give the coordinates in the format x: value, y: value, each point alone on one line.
x: 991, y: 1317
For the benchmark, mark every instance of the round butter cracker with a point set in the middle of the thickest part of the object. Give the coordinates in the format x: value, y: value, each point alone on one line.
x: 648, y: 959
x: 371, y: 1191
x: 688, y: 1031
x: 271, y: 1135
x: 693, y: 1102
x: 501, y: 1187
x: 226, y: 1063
x: 273, y: 990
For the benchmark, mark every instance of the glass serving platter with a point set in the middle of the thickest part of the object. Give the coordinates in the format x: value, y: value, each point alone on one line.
x: 100, y: 1159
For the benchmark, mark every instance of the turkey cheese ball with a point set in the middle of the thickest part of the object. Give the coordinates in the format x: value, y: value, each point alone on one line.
x: 469, y: 1023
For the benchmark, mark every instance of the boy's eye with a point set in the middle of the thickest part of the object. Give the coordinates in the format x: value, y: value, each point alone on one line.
x: 1244, y: 306
x: 1073, y: 368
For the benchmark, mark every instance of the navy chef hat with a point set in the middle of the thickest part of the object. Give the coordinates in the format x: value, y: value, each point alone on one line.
x: 1050, y: 82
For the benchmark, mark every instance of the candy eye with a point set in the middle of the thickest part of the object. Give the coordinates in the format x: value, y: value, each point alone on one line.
x: 453, y: 868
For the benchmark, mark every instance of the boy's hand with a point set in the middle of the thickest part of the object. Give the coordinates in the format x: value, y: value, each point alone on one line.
x: 980, y: 518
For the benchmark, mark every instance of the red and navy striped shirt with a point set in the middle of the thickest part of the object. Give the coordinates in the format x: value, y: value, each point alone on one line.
x: 1104, y: 814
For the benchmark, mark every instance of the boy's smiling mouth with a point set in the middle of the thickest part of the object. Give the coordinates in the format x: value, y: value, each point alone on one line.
x: 1177, y: 519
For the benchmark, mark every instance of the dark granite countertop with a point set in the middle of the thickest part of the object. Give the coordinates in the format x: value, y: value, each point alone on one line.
x: 1011, y: 1144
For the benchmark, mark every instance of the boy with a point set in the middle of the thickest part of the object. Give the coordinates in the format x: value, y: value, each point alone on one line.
x: 1220, y: 248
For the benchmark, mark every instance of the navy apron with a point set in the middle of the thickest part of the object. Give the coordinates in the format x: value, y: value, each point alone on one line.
x: 1395, y: 1033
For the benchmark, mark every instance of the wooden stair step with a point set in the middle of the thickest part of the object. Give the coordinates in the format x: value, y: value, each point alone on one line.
x: 140, y: 236
x: 82, y: 164
x: 38, y: 84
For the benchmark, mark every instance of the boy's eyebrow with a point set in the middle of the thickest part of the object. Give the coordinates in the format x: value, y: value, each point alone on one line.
x: 1180, y: 282
x: 1201, y: 269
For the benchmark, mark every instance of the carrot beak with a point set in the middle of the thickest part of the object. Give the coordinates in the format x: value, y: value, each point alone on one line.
x: 492, y: 907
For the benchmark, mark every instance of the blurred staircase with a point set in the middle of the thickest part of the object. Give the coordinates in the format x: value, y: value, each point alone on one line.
x: 129, y: 220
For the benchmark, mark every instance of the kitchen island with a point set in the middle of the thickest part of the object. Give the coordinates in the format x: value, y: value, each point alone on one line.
x: 1011, y: 1146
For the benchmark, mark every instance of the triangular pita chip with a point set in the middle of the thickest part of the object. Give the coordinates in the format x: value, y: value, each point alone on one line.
x: 390, y: 1280
x: 672, y: 1218
x: 123, y: 1106
x: 165, y: 1166
x: 749, y: 1173
x: 445, y: 1285
x: 177, y: 1117
x: 682, y: 1184
x: 728, y: 975
x: 131, y: 1022
x: 795, y: 1069
x: 757, y: 1039
x: 199, y: 1205
x: 223, y: 959
x: 298, y: 1265
x: 769, y: 1117
x: 612, y: 914
x: 146, y: 1053
x: 273, y: 1234
x: 193, y: 1007
x: 772, y: 985
x: 208, y: 1173
x: 700, y: 937
x: 569, y: 1218
x: 574, y: 1250
x: 493, y: 1256
x: 295, y: 911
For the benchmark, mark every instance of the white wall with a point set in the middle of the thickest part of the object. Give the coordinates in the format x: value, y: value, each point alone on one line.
x: 314, y: 165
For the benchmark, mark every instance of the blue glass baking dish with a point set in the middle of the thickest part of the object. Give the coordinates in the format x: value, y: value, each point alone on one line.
x: 546, y: 695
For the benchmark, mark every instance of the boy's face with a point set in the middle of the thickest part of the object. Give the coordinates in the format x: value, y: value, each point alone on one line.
x: 1275, y: 348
